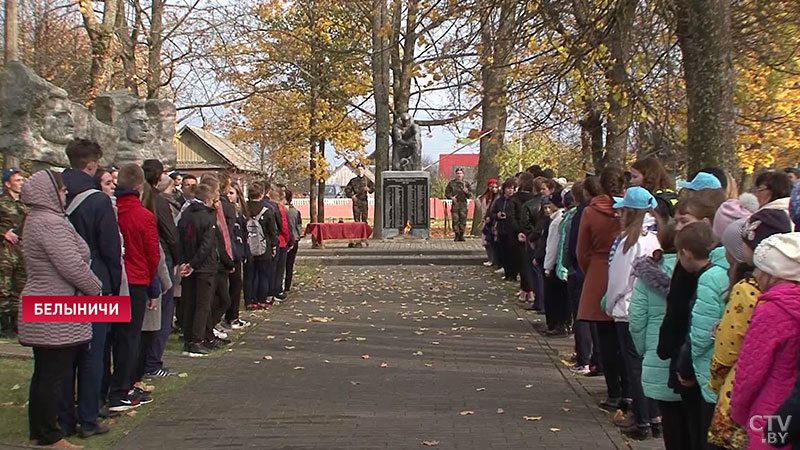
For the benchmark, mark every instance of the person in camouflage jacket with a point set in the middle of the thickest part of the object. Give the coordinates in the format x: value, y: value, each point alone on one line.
x: 458, y: 191
x: 359, y: 189
x: 12, y: 266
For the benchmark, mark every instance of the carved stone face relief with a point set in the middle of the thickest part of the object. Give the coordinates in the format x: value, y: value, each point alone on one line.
x: 138, y: 130
x: 57, y: 125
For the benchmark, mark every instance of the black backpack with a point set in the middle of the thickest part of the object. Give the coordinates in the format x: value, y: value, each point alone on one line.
x: 666, y: 200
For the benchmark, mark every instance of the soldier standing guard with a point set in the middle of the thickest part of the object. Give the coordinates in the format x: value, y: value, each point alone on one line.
x: 458, y: 191
x: 359, y: 189
x: 12, y: 265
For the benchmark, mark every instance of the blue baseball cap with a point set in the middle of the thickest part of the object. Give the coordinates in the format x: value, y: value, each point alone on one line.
x: 701, y: 181
x: 636, y: 197
x: 8, y: 172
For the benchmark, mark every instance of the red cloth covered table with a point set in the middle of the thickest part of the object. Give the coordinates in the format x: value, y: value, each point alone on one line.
x: 321, y: 232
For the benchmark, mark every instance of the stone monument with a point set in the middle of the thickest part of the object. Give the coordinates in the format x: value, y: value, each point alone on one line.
x: 146, y: 127
x: 406, y: 188
x: 37, y: 119
x: 406, y: 144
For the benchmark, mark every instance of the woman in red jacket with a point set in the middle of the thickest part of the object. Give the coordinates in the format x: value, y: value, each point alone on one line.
x: 598, y: 230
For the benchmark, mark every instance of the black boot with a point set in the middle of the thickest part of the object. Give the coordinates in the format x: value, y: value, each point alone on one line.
x: 455, y: 239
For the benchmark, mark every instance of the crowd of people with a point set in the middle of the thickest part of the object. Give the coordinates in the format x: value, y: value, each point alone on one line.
x: 184, y: 250
x: 687, y: 302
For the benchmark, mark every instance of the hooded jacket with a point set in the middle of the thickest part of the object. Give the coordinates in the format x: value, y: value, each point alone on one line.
x: 621, y: 277
x: 767, y: 366
x: 645, y: 314
x: 138, y: 227
x: 709, y: 305
x: 96, y: 222
x: 598, y: 229
x: 57, y: 263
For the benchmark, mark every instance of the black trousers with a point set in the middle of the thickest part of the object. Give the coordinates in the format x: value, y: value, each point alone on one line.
x: 597, y: 355
x: 644, y: 409
x: 675, y: 425
x: 280, y: 271
x: 692, y: 400
x: 198, y: 294
x: 516, y: 253
x: 556, y: 303
x: 582, y: 328
x: 145, y: 342
x: 706, y: 416
x: 235, y: 285
x: 613, y: 366
x: 221, y: 302
x: 526, y: 270
x: 50, y: 367
x: 290, y: 258
x: 125, y: 338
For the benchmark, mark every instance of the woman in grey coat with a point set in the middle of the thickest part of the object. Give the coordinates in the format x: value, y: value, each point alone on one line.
x: 57, y: 263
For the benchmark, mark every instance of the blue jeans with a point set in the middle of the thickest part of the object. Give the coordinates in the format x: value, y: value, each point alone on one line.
x: 264, y: 277
x: 88, y: 366
x: 153, y: 358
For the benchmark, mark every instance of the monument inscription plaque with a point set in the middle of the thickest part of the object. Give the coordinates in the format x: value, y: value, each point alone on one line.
x: 406, y: 202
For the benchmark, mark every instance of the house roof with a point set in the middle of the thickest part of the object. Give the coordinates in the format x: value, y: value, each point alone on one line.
x: 236, y: 157
x: 344, y: 172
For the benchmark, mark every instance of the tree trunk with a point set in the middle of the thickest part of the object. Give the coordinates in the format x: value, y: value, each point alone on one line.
x: 11, y: 45
x: 380, y: 88
x: 11, y: 42
x: 321, y: 186
x: 403, y: 64
x: 704, y: 35
x: 154, y: 52
x: 312, y: 160
x: 127, y: 37
x: 101, y: 39
x: 592, y: 131
x: 619, y: 101
x: 497, y: 45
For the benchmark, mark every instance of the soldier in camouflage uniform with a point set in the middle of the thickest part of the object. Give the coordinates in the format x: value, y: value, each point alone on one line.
x: 458, y: 191
x: 359, y: 189
x: 12, y: 266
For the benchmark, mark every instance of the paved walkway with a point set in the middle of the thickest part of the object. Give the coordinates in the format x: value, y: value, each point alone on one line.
x: 401, y: 243
x: 462, y: 369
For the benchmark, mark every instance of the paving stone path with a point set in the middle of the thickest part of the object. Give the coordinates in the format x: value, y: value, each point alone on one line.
x: 461, y: 369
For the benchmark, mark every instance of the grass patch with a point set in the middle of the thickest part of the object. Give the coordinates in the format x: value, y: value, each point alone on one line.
x: 14, y: 385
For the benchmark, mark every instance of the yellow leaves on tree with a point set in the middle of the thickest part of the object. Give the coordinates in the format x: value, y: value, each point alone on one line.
x: 542, y: 149
x: 769, y: 116
x: 309, y: 62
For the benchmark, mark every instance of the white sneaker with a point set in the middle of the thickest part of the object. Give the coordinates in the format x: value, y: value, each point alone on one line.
x: 239, y: 324
x: 487, y: 264
x: 580, y: 370
x: 220, y: 334
x: 500, y: 270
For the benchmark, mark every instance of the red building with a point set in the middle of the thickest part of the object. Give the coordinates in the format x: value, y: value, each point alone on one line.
x: 449, y: 163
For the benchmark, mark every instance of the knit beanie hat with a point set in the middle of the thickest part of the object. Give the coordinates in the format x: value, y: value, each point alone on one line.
x: 727, y: 213
x: 764, y: 224
x: 779, y: 256
x: 732, y: 239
